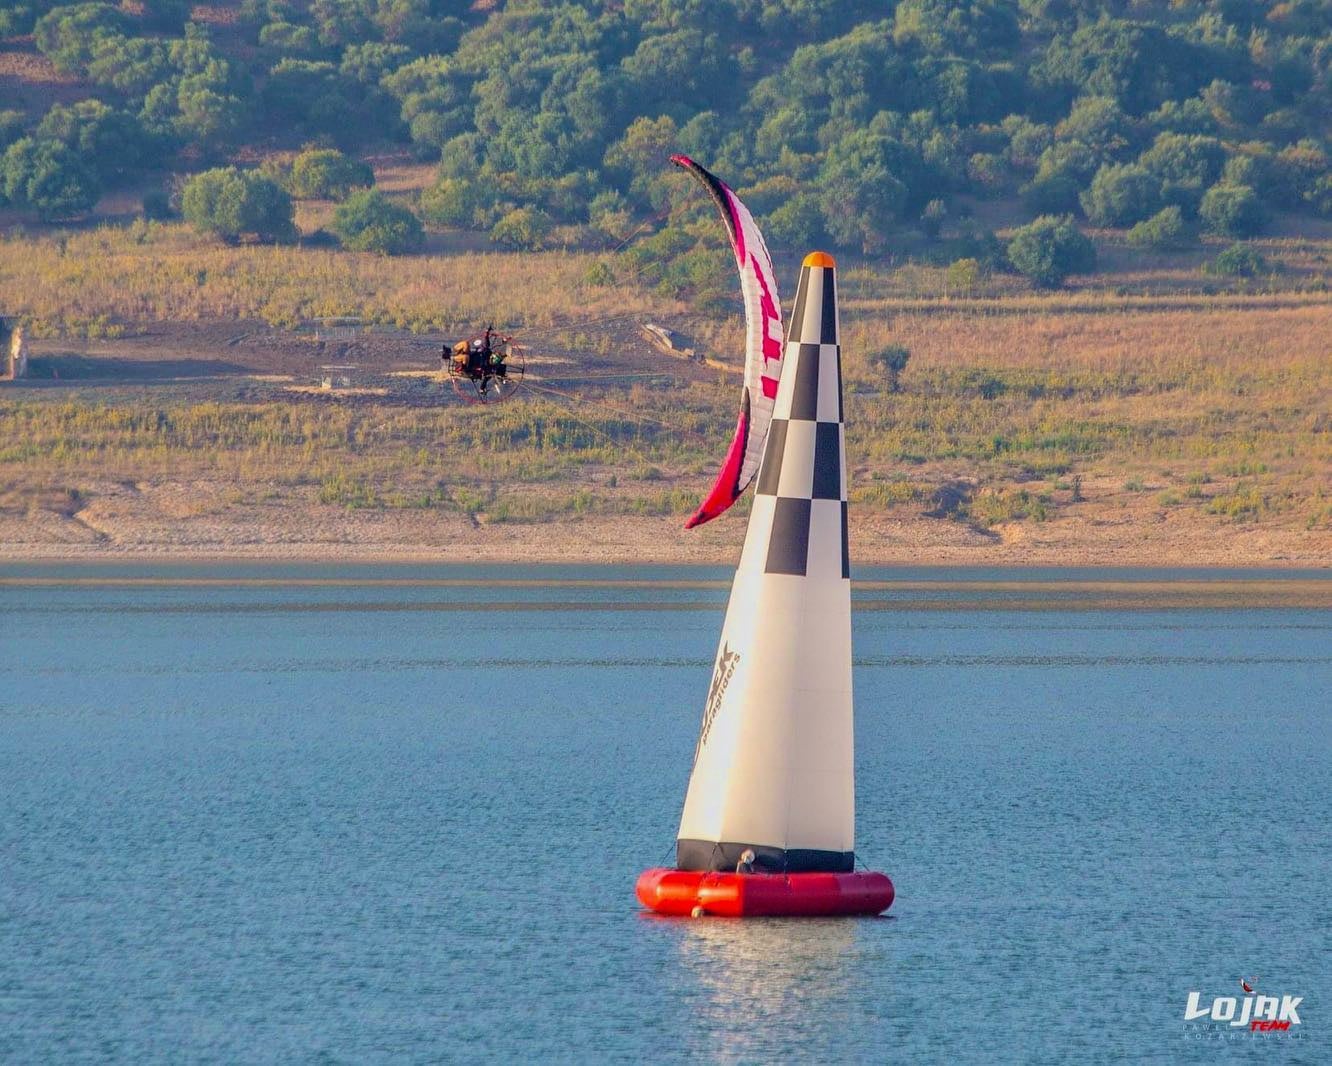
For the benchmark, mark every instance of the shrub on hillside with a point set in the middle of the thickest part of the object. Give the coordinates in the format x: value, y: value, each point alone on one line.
x: 47, y: 177
x: 156, y: 205
x: 1099, y: 123
x: 798, y: 223
x: 67, y: 35
x: 12, y: 124
x: 370, y: 222
x: 1238, y: 261
x: 1165, y: 229
x: 522, y: 229
x: 1056, y: 194
x: 890, y: 362
x: 1049, y: 250
x: 1302, y: 173
x: 327, y: 174
x: 232, y: 203
x: 110, y: 142
x: 1258, y: 171
x: 978, y: 243
x: 964, y: 274
x: 1232, y: 210
x: 988, y: 174
x: 932, y: 218
x: 1121, y: 195
x: 450, y: 202
x: 1186, y: 165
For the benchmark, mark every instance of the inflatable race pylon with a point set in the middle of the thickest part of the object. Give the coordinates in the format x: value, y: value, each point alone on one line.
x: 769, y: 817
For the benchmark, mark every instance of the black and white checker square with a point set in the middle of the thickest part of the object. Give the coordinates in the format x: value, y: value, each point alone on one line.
x: 802, y: 480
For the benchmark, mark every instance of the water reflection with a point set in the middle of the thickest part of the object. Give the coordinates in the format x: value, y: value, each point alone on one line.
x: 758, y: 979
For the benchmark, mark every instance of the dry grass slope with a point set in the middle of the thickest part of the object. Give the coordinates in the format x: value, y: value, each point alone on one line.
x: 1023, y: 419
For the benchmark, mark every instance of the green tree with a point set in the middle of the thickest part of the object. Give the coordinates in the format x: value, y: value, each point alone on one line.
x: 205, y: 116
x: 795, y: 223
x: 1056, y: 194
x: 1185, y: 160
x: 1238, y: 261
x: 1301, y: 172
x: 1186, y: 165
x: 1121, y: 195
x: 130, y: 65
x: 325, y: 173
x: 686, y: 65
x: 1026, y: 141
x: 988, y: 173
x: 1065, y: 163
x: 108, y: 141
x: 1165, y: 229
x: 342, y: 22
x: 1138, y: 64
x: 862, y: 192
x: 1049, y: 250
x: 964, y: 274
x: 49, y: 178
x: 890, y: 106
x: 890, y: 362
x: 955, y: 26
x: 641, y: 155
x: 932, y: 218
x: 1099, y: 123
x: 16, y: 20
x: 290, y: 40
x: 451, y: 202
x: 370, y: 222
x: 368, y: 61
x: 1232, y: 210
x: 1253, y: 168
x: 609, y: 214
x: 232, y: 203
x: 12, y: 124
x: 68, y: 34
x: 522, y: 229
x: 420, y: 23
x: 319, y: 98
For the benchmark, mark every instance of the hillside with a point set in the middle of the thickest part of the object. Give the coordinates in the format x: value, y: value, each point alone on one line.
x: 1085, y: 426
x: 857, y: 125
x: 1096, y: 236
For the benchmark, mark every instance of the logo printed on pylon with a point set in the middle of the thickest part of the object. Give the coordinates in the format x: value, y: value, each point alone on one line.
x: 727, y: 661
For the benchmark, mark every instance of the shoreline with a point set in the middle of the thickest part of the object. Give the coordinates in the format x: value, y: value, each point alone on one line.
x: 397, y: 557
x: 388, y: 583
x: 331, y: 536
x: 424, y: 555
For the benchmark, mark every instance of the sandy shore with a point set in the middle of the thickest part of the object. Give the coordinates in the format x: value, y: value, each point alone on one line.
x: 147, y: 523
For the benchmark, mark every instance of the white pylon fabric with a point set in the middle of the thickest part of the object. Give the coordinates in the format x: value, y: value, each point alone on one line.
x: 774, y: 767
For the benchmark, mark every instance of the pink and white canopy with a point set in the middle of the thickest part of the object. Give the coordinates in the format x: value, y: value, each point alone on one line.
x: 764, y: 347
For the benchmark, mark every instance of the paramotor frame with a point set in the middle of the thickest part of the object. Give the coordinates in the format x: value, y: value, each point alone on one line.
x: 486, y: 369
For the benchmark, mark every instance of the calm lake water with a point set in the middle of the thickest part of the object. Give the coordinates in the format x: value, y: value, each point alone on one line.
x: 255, y: 814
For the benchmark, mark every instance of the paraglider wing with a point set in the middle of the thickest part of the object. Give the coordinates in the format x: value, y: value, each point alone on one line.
x: 763, y: 347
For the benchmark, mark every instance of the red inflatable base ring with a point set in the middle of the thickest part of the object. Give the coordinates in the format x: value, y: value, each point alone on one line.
x: 731, y: 895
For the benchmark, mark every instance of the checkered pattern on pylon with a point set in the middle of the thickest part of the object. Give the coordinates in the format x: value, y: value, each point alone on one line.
x: 804, y: 462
